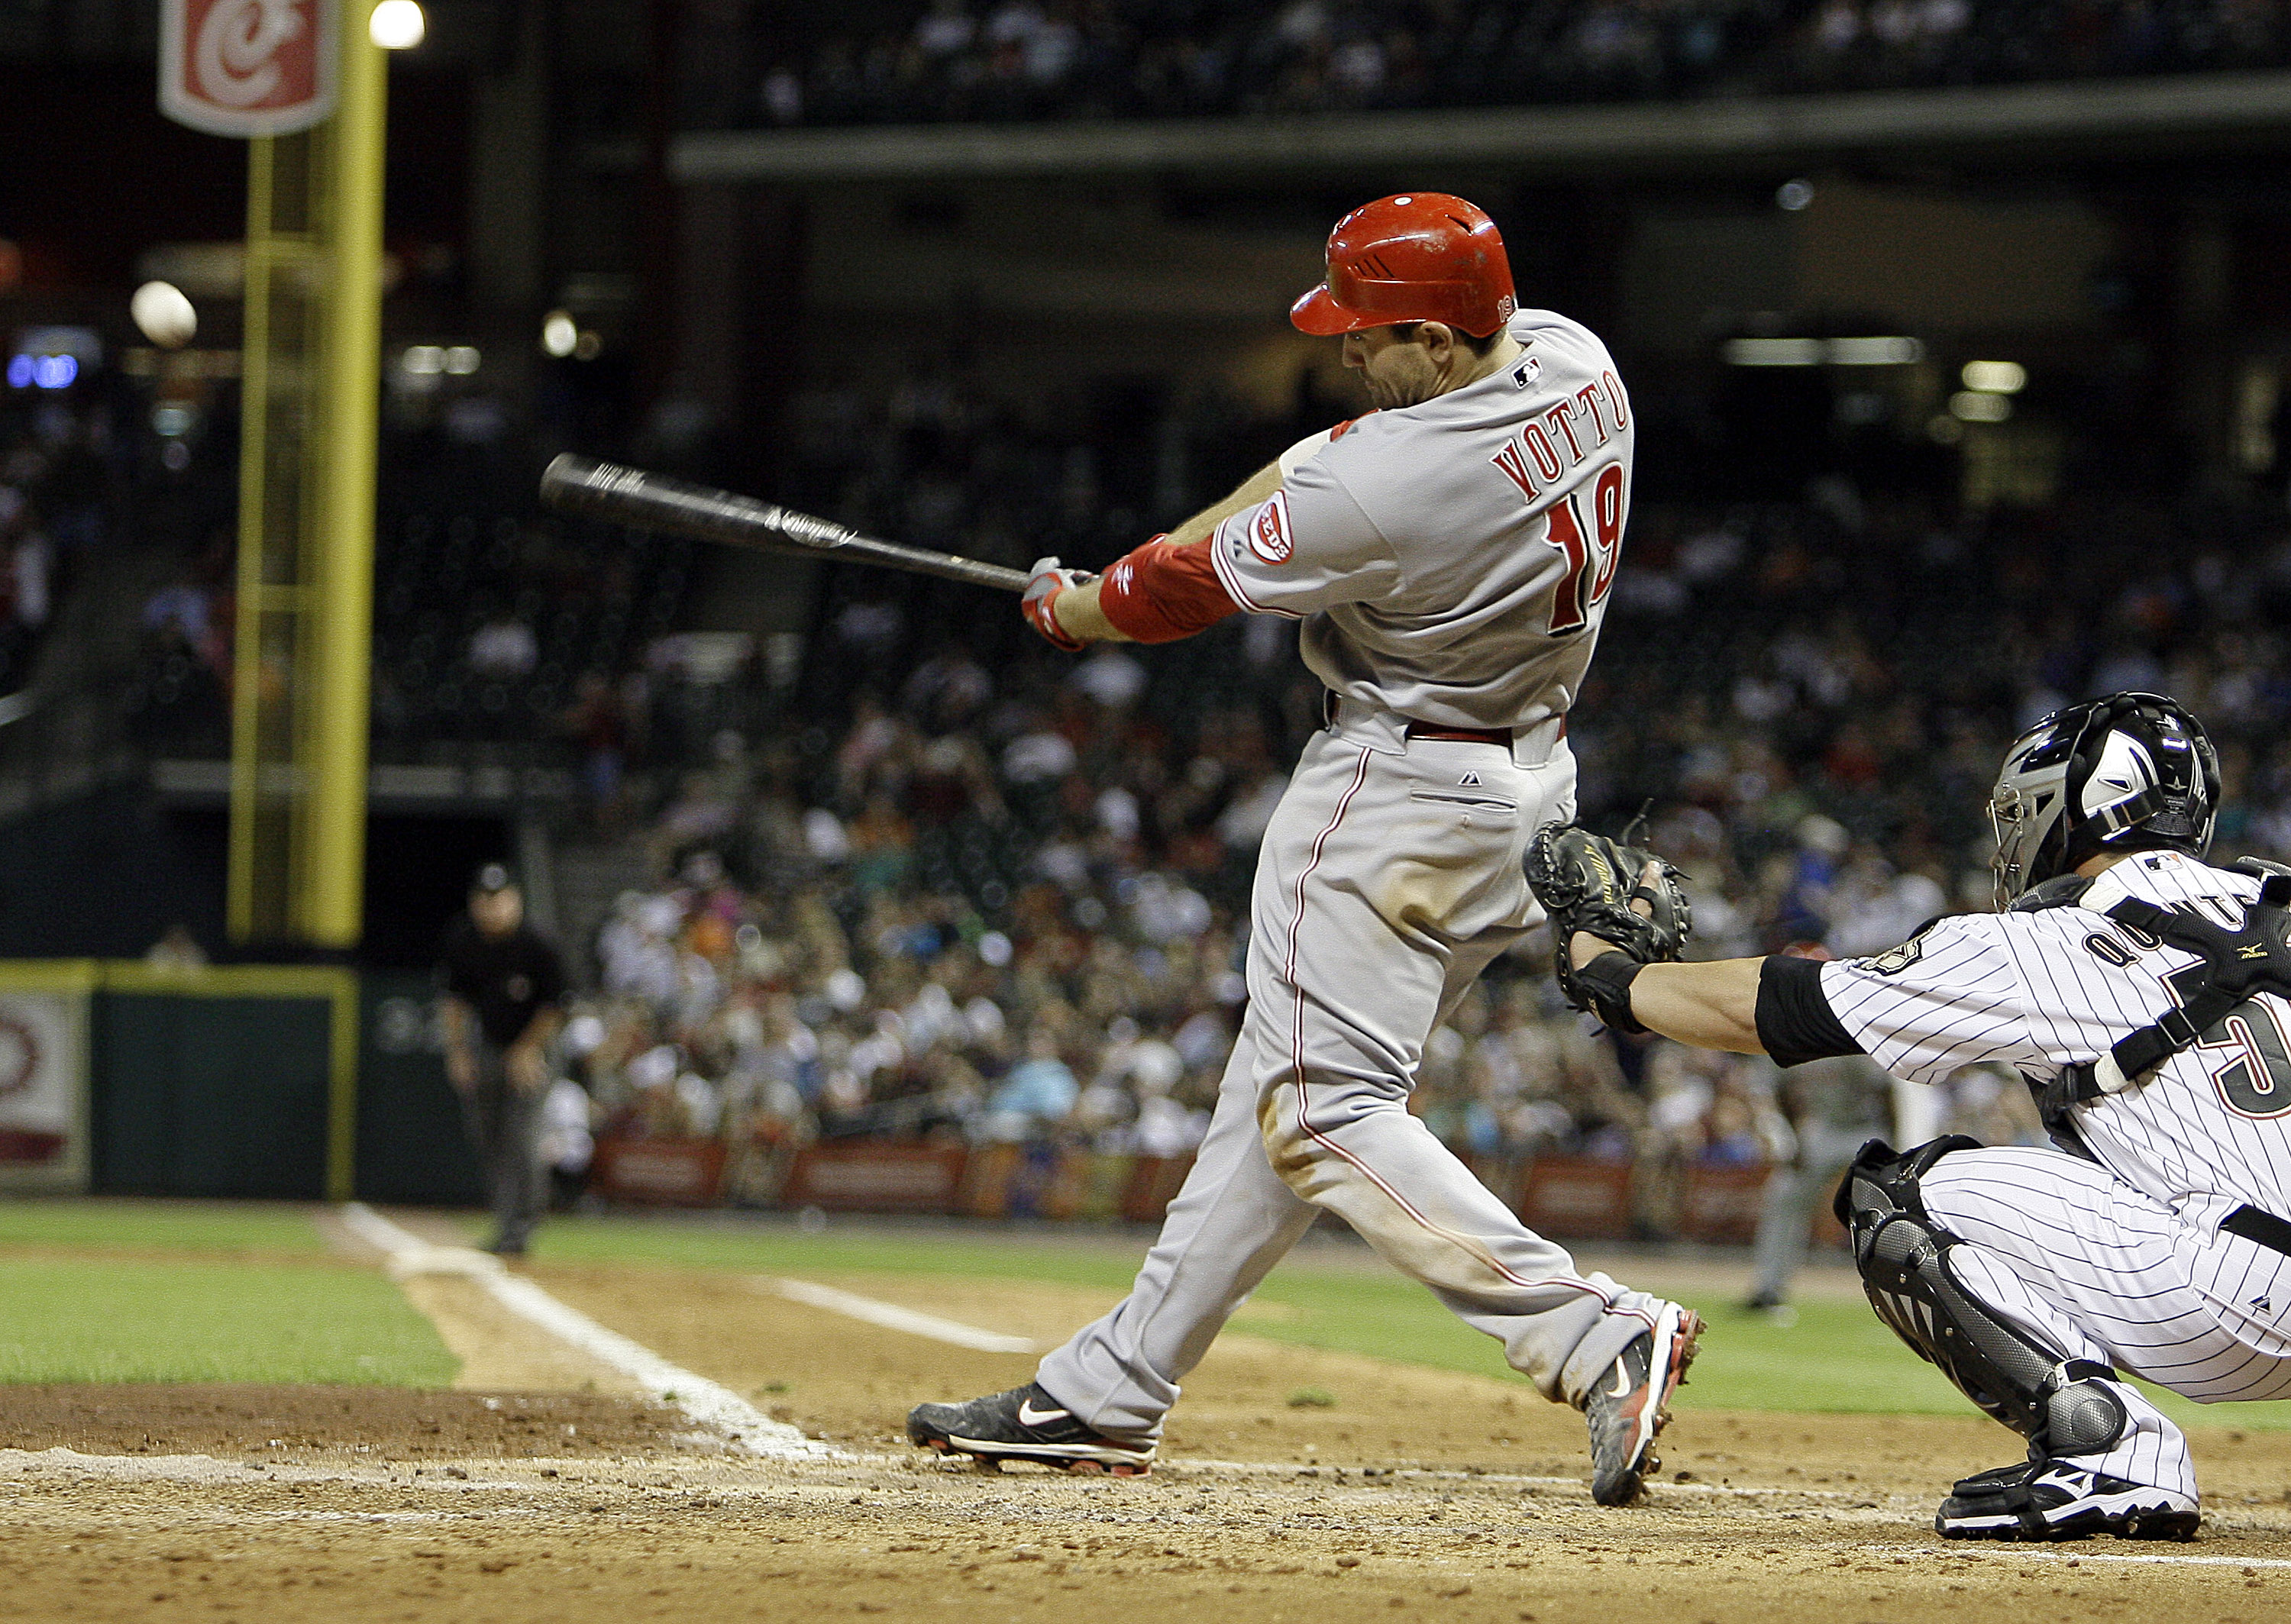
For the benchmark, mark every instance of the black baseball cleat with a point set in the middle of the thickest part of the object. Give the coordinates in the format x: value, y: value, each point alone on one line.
x: 1024, y: 1424
x: 1628, y: 1408
x: 2058, y: 1499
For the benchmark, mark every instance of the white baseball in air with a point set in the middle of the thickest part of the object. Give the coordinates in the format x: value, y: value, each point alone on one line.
x: 163, y: 315
x: 397, y: 25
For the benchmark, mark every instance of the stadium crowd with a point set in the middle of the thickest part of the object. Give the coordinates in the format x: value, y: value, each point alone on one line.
x: 1017, y: 920
x: 1027, y: 59
x: 55, y: 477
x: 1003, y: 903
x: 919, y: 878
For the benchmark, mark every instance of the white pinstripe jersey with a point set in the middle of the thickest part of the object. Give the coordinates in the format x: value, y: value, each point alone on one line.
x: 2043, y: 990
x: 1451, y: 560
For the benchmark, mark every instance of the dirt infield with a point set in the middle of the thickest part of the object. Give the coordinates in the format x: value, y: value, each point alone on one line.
x: 1407, y: 1493
x: 312, y: 1424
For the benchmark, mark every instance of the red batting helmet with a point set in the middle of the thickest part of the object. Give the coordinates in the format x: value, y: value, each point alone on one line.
x: 1422, y: 256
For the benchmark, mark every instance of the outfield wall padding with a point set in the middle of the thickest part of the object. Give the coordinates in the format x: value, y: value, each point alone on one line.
x: 210, y: 1095
x: 411, y: 1145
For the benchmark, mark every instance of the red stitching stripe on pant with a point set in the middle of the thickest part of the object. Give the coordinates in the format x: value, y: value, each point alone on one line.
x: 1297, y: 1063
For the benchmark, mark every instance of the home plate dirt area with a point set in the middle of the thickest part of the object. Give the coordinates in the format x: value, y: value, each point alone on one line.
x: 558, y: 1495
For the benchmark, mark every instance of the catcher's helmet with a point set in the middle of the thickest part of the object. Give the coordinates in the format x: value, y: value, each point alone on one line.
x: 1421, y: 256
x: 2126, y: 773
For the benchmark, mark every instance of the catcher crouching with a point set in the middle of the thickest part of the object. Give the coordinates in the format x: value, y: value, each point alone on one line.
x: 2144, y: 996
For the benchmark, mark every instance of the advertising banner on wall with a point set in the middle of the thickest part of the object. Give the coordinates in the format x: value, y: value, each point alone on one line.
x: 42, y: 1080
x: 247, y: 68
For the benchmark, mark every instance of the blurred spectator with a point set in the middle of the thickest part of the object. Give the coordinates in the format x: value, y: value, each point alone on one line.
x: 1834, y: 1108
x: 503, y: 647
x: 178, y: 950
x: 566, y: 1143
x: 1037, y: 1096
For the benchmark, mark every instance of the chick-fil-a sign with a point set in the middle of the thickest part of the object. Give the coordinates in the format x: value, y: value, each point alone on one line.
x: 247, y: 67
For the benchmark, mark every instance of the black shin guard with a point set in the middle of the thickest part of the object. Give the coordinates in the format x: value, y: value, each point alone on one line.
x: 2058, y: 1404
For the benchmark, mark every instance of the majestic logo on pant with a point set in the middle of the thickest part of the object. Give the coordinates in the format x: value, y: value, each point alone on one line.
x: 1469, y: 780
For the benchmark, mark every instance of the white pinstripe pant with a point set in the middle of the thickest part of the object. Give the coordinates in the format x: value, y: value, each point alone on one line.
x: 1385, y: 885
x: 2092, y: 1267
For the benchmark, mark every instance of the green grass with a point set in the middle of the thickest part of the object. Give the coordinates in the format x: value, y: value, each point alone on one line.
x: 159, y: 1225
x: 211, y: 1321
x: 238, y: 1305
x: 1836, y: 1357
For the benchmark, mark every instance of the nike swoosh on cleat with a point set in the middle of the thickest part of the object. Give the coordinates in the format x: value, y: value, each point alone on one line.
x: 1031, y: 1417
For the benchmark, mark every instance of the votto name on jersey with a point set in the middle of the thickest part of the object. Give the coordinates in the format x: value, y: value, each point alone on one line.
x: 1584, y: 527
x: 1581, y: 423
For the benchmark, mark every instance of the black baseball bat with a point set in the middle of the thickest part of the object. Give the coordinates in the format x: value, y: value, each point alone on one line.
x: 654, y: 502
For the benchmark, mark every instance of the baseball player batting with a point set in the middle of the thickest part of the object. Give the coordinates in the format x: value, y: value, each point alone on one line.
x: 1450, y: 555
x: 2140, y: 992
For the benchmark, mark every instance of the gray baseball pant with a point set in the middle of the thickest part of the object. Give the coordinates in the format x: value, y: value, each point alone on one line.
x: 1388, y: 879
x: 1785, y: 1212
x: 504, y: 1126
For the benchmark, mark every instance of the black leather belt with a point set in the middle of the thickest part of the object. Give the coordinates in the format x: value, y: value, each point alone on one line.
x: 2256, y: 1223
x: 1470, y: 736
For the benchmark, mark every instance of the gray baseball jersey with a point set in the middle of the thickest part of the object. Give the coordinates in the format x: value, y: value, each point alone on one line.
x: 2040, y: 991
x: 1451, y: 560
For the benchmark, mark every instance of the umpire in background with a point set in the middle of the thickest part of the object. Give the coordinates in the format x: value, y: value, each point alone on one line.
x: 504, y: 987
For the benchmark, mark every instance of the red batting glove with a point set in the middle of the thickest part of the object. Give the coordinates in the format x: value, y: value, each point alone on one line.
x: 1044, y: 583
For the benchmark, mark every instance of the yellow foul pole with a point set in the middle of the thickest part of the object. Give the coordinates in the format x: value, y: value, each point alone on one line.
x: 330, y: 889
x: 245, y: 888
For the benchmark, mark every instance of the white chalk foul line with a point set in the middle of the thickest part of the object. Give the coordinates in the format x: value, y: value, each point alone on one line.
x: 713, y: 1406
x: 2011, y: 1550
x: 893, y: 1317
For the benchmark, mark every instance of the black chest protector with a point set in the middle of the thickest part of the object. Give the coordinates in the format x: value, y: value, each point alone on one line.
x: 2238, y: 964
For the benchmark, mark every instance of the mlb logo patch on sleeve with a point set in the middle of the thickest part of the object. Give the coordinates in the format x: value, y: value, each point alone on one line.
x: 1268, y: 532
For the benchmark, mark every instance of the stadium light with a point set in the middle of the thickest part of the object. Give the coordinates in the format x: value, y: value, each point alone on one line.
x: 1824, y: 351
x: 1996, y: 377
x: 558, y: 334
x: 43, y: 371
x: 1977, y: 406
x: 397, y: 25
x: 1794, y: 194
x: 1774, y: 351
x: 1876, y: 351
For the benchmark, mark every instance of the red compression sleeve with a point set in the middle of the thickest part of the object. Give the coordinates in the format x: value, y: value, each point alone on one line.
x: 1161, y: 592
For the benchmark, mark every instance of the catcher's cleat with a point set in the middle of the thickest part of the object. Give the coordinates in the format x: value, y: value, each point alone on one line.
x: 1024, y: 1424
x: 2058, y: 1499
x: 1627, y: 1408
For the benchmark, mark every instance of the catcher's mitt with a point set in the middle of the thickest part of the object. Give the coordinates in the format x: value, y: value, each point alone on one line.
x: 1588, y: 882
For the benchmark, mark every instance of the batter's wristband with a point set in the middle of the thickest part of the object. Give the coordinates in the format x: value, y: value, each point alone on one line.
x: 1608, y: 978
x: 1043, y: 617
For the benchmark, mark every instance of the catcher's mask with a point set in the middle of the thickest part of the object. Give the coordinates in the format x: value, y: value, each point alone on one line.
x: 2130, y: 772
